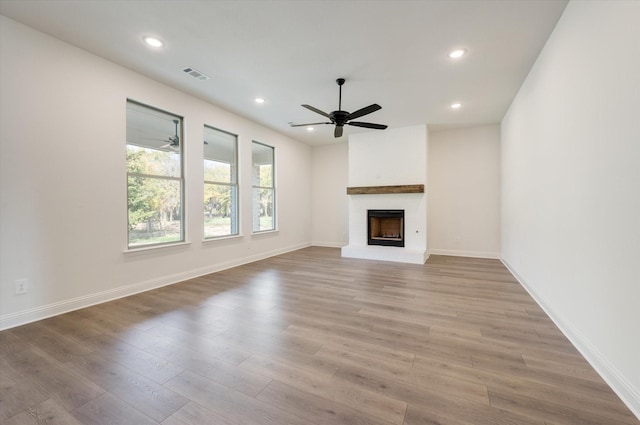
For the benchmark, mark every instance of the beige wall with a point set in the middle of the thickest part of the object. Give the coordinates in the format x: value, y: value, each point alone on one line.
x: 63, y: 215
x: 464, y: 192
x: 571, y: 186
x: 329, y: 210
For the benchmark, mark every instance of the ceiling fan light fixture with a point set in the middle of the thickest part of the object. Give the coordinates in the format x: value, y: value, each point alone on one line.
x: 309, y: 129
x: 458, y: 53
x: 153, y: 41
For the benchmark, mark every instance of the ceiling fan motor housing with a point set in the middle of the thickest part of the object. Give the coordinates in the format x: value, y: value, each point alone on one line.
x: 339, y: 117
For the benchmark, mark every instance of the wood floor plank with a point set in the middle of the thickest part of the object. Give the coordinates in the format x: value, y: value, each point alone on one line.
x: 196, y: 342
x: 556, y: 412
x: 420, y: 390
x: 596, y: 399
x: 340, y: 391
x: 229, y: 403
x: 340, y: 355
x: 579, y: 367
x: 61, y: 347
x: 147, y: 396
x: 48, y: 412
x: 447, y: 385
x: 446, y: 411
x: 44, y: 373
x: 421, y: 415
x: 144, y: 363
x: 217, y: 370
x: 195, y: 414
x: 309, y: 337
x: 11, y: 343
x: 365, y: 345
x: 110, y: 410
x: 17, y: 394
x: 322, y: 411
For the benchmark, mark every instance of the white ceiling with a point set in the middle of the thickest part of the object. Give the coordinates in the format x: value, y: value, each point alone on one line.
x: 391, y: 52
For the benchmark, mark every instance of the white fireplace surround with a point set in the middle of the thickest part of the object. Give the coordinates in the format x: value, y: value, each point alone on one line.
x: 391, y: 157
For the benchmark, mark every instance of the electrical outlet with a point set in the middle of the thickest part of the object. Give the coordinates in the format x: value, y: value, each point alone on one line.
x: 22, y: 286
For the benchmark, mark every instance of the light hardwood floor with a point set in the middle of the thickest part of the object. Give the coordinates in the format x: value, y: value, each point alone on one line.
x: 308, y: 338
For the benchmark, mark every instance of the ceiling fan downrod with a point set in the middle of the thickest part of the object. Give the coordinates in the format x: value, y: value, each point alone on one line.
x: 340, y: 82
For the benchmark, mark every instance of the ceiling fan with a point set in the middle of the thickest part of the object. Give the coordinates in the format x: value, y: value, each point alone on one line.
x: 341, y: 118
x: 174, y: 141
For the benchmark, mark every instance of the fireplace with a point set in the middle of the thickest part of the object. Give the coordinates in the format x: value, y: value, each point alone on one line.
x: 385, y: 227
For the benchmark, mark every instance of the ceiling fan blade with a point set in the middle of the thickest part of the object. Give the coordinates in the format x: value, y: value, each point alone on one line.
x: 338, y: 131
x: 311, y: 123
x: 316, y: 110
x: 367, y: 125
x: 364, y: 111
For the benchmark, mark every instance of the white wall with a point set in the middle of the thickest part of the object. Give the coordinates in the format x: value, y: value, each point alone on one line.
x: 329, y: 181
x: 63, y: 186
x: 571, y: 186
x: 464, y: 192
x: 382, y: 158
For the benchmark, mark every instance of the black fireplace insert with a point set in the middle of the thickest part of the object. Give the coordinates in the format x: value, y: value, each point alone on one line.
x: 385, y: 227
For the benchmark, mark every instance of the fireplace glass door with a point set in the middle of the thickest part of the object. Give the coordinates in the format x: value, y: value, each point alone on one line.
x: 385, y: 227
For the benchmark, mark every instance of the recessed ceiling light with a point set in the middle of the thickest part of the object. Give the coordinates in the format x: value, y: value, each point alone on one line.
x: 309, y: 129
x: 458, y: 53
x: 259, y: 100
x: 153, y: 42
x: 456, y: 105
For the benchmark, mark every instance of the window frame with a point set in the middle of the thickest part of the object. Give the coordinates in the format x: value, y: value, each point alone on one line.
x: 180, y: 178
x: 233, y: 186
x: 272, y: 188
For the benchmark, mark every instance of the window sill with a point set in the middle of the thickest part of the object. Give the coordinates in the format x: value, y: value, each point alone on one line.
x: 265, y: 232
x: 145, y: 250
x: 208, y: 241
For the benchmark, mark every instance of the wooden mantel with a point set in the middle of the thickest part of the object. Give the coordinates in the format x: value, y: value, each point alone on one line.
x: 379, y: 190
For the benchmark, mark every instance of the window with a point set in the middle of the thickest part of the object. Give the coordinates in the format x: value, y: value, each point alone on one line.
x: 155, y: 181
x: 220, y: 183
x: 263, y: 187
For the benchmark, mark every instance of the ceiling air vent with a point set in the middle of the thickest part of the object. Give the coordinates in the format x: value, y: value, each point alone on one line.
x: 196, y: 74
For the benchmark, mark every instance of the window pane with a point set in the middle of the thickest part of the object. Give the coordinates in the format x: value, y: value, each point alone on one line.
x: 220, y: 183
x: 220, y: 153
x: 220, y: 210
x: 265, y: 174
x: 263, y: 187
x: 155, y: 210
x: 152, y: 162
x: 263, y: 165
x: 153, y: 129
x: 154, y: 176
x: 215, y: 171
x: 263, y: 217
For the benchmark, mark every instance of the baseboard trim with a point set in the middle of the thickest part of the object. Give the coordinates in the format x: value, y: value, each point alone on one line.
x: 629, y: 395
x: 329, y: 244
x: 19, y: 318
x: 458, y: 253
